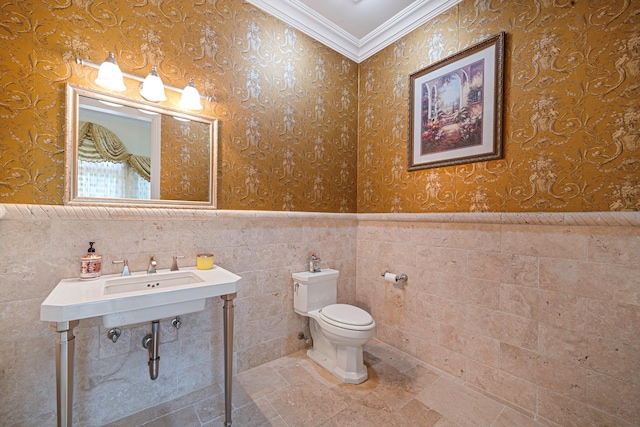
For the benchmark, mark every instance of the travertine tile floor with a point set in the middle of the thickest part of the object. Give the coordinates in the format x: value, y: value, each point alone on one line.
x: 293, y: 391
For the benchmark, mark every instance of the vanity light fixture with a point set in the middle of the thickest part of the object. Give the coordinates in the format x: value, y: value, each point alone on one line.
x: 110, y: 76
x: 191, y: 97
x: 152, y: 88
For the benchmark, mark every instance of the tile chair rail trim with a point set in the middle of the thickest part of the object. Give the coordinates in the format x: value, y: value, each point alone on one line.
x: 25, y: 211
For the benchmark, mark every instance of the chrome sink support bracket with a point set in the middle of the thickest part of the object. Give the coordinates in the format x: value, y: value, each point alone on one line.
x: 65, y: 347
x: 228, y: 354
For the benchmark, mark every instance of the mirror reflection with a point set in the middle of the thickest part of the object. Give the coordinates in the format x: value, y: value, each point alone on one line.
x: 114, y: 151
x: 120, y: 151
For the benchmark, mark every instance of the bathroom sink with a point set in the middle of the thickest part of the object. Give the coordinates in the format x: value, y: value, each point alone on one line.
x: 141, y: 297
x: 150, y: 282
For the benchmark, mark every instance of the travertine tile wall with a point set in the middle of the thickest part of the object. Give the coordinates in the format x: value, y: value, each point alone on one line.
x: 545, y: 317
x: 39, y: 245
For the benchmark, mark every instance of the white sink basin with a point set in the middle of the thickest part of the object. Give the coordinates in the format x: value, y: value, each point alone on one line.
x: 141, y: 297
x: 150, y: 282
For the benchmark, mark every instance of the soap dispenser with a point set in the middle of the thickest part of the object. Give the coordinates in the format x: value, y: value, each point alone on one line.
x: 91, y: 264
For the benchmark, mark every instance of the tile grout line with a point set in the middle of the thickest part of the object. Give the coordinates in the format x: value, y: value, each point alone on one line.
x: 498, y: 416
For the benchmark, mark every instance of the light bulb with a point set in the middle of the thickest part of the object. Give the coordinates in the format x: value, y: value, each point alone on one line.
x: 152, y: 88
x: 190, y: 97
x: 110, y: 76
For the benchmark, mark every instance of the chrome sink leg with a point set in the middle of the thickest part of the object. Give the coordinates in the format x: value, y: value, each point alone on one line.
x: 65, y: 346
x: 228, y: 354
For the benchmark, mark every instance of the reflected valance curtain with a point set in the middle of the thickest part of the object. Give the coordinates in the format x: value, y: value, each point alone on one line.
x: 97, y: 144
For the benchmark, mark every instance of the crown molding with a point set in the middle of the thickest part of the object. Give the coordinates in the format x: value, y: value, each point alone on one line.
x: 305, y: 19
x: 402, y: 24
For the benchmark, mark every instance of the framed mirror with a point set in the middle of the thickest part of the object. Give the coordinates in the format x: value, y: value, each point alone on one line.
x: 125, y: 152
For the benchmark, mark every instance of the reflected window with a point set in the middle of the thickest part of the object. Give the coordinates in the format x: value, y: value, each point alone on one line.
x: 111, y: 180
x: 117, y: 142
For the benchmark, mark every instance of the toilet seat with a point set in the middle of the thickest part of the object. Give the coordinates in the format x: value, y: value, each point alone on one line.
x: 347, y: 316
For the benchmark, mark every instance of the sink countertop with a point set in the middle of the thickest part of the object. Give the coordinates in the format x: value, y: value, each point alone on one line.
x: 75, y: 299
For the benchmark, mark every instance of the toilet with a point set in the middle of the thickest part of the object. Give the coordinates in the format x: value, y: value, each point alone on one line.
x: 339, y: 331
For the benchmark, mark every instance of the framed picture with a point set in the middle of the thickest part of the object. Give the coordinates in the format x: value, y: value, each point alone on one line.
x: 456, y: 108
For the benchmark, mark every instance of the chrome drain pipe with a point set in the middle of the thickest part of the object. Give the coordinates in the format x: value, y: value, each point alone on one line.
x: 151, y: 342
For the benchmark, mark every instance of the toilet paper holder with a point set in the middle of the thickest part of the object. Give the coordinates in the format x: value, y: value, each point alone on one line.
x: 401, y: 278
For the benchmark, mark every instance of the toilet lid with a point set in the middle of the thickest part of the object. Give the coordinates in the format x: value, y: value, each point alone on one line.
x: 346, y: 315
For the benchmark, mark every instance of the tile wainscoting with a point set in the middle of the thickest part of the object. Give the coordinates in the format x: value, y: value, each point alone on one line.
x: 43, y: 244
x: 509, y: 304
x: 541, y: 311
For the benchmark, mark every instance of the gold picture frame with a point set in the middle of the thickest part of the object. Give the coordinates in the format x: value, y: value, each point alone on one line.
x: 455, y: 112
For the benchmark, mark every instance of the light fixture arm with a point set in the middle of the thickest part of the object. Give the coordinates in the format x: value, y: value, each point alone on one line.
x: 87, y: 63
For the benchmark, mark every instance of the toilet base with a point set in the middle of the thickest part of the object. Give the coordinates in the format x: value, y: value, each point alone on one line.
x: 357, y: 376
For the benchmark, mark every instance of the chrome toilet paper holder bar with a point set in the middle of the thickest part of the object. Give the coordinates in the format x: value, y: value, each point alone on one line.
x: 401, y: 278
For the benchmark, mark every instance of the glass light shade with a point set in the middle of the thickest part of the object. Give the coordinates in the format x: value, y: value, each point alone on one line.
x: 190, y: 97
x: 110, y: 76
x: 152, y: 88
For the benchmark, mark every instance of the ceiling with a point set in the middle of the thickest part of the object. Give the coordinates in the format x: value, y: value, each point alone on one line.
x: 355, y: 28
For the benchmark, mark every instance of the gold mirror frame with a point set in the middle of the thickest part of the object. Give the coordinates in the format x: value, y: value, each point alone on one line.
x: 72, y: 129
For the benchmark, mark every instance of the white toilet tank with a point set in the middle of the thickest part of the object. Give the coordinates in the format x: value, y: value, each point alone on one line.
x: 312, y: 291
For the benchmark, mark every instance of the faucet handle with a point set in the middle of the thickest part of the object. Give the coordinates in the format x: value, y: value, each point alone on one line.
x: 152, y: 265
x: 174, y: 264
x: 125, y: 267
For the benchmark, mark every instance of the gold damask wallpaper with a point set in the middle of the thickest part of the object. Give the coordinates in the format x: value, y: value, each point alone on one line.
x: 571, y: 133
x: 287, y: 104
x: 184, y: 168
x: 303, y: 128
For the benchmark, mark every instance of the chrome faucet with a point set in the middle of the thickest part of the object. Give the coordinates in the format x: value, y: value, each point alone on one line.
x: 174, y: 264
x: 125, y: 268
x: 152, y: 265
